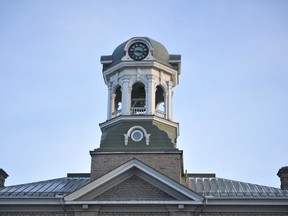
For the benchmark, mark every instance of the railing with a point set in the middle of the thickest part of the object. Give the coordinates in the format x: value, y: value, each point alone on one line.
x: 138, y: 110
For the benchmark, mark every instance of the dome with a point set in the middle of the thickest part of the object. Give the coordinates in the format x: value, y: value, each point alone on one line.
x: 159, y: 52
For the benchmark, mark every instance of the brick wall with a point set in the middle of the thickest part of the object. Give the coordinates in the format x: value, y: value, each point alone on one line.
x: 168, y: 163
x: 134, y: 189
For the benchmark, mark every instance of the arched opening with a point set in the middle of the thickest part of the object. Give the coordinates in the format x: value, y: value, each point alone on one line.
x: 117, y: 102
x: 160, y: 102
x: 138, y: 99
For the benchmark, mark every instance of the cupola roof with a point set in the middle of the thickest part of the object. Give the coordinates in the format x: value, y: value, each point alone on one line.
x: 159, y: 52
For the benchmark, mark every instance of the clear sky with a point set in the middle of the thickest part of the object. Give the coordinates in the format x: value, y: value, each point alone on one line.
x: 231, y: 103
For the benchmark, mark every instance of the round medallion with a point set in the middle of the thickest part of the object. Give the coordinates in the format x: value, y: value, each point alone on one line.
x: 138, y: 51
x: 137, y: 135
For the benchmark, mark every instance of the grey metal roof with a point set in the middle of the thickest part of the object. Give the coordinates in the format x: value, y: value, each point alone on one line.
x: 205, y: 185
x: 50, y: 188
x: 213, y: 186
x: 160, y: 53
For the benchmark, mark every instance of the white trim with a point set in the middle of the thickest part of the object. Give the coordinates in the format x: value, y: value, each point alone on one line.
x: 271, y: 201
x: 137, y: 152
x: 134, y: 202
x: 132, y: 130
x: 137, y: 118
x: 143, y: 63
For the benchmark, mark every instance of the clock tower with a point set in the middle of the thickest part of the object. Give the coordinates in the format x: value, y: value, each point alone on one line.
x: 140, y: 75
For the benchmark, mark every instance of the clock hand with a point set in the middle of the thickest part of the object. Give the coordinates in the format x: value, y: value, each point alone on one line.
x: 138, y: 52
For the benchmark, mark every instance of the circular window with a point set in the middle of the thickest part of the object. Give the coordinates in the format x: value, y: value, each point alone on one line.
x: 137, y: 135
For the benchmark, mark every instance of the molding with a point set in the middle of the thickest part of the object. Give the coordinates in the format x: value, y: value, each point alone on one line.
x: 137, y: 118
x: 137, y: 152
x: 136, y: 64
x: 262, y: 201
x: 30, y: 201
x: 128, y: 134
x: 134, y: 202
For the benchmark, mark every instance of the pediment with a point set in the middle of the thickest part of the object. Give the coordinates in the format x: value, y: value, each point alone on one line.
x: 134, y: 181
x: 134, y: 188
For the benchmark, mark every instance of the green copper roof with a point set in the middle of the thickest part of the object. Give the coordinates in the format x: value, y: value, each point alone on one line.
x: 162, y: 136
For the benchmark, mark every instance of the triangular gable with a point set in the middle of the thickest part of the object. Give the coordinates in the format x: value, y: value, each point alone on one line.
x: 128, y: 171
x: 134, y: 189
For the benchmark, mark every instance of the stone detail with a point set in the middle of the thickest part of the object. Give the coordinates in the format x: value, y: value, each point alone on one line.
x: 169, y: 164
x: 134, y: 188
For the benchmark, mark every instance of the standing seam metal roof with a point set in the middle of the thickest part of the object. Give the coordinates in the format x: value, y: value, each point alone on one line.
x: 221, y: 187
x: 205, y: 186
x: 49, y: 188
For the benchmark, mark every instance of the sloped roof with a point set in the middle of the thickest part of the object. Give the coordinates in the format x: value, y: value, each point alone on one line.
x: 160, y: 53
x: 212, y: 186
x: 205, y: 185
x: 50, y: 188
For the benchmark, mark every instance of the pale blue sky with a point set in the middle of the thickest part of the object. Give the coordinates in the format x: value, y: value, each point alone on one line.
x: 231, y: 102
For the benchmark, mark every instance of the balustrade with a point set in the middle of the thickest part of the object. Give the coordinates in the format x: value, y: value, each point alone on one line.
x: 138, y: 110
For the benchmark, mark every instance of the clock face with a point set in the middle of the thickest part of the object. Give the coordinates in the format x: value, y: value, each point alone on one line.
x: 138, y: 51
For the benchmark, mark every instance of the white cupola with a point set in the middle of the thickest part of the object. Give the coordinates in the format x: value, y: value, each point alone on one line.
x: 140, y: 75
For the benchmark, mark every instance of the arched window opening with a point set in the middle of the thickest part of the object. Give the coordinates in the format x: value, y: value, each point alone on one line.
x: 117, y: 102
x: 160, y: 102
x: 138, y: 100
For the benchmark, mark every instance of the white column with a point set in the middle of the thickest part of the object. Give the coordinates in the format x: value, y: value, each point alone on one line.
x: 150, y: 95
x: 126, y: 96
x: 109, y: 107
x: 113, y: 104
x: 169, y: 100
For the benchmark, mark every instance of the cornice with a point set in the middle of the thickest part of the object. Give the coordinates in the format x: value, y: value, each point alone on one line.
x: 137, y: 118
x: 141, y: 64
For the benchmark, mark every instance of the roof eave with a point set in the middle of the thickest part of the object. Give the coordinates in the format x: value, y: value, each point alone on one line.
x: 30, y: 201
x: 259, y: 201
